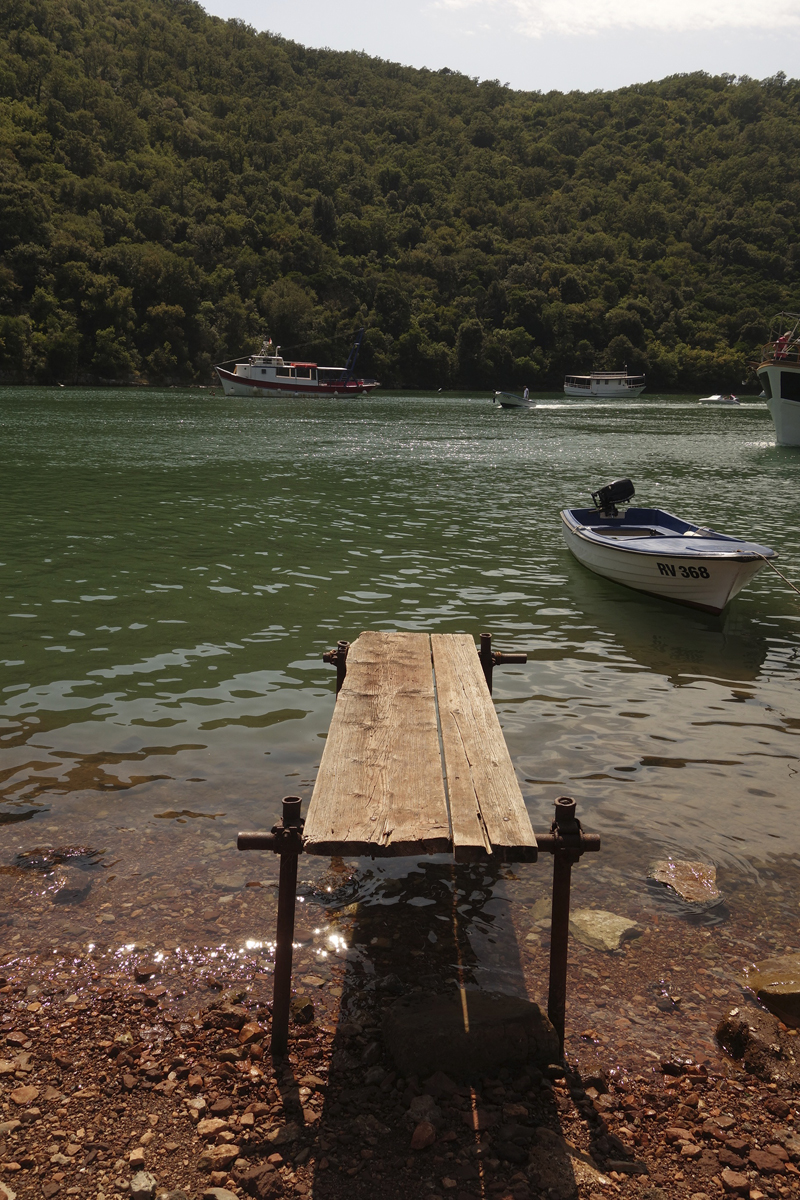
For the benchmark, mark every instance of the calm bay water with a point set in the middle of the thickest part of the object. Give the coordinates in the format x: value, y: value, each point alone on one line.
x: 175, y: 563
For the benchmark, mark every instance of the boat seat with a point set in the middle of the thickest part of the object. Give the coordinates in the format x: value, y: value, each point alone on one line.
x: 605, y: 531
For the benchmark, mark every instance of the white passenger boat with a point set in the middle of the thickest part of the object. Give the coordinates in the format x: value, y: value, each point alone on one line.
x: 779, y: 375
x: 604, y: 383
x: 718, y: 399
x: 269, y: 374
x: 652, y: 551
x: 512, y: 400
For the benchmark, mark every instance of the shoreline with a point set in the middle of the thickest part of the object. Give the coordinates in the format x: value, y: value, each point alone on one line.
x: 121, y: 1049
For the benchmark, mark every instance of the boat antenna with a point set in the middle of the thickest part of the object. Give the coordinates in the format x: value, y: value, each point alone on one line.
x: 350, y: 365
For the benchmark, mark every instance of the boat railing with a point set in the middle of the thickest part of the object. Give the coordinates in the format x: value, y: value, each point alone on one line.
x: 781, y: 350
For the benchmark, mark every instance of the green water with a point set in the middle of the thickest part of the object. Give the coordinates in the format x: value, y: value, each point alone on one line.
x: 175, y: 563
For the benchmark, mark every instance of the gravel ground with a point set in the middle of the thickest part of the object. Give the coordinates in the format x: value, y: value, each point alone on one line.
x: 103, y: 1077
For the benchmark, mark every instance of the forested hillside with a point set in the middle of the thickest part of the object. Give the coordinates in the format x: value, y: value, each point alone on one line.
x: 173, y: 185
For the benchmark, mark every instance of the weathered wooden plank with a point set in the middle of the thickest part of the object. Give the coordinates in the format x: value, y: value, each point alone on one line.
x: 487, y: 812
x: 380, y: 789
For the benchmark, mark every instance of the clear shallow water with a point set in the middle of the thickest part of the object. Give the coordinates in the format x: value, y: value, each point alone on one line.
x: 175, y: 563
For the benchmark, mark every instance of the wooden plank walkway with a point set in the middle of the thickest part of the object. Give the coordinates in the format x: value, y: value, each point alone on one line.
x: 416, y: 763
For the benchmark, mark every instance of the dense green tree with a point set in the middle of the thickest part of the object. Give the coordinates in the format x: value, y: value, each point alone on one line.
x: 173, y: 186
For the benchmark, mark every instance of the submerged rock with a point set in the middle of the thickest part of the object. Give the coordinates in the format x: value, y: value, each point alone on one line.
x: 476, y: 1036
x: 776, y: 983
x: 602, y: 930
x: 695, y: 883
x: 754, y: 1036
x: 72, y: 885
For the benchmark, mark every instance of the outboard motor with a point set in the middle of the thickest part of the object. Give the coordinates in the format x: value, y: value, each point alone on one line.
x: 620, y: 491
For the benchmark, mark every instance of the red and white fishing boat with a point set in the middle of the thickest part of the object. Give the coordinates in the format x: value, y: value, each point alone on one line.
x: 269, y: 374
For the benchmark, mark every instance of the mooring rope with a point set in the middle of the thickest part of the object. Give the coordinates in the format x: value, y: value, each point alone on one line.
x: 777, y: 572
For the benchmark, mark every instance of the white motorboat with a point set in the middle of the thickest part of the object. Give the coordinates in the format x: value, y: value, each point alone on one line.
x: 652, y: 551
x: 511, y: 400
x: 718, y: 399
x: 604, y: 383
x: 779, y: 375
x: 269, y: 374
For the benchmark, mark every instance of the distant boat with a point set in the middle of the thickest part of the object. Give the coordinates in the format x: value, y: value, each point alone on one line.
x: 779, y: 376
x: 269, y: 374
x: 652, y: 551
x: 718, y: 399
x: 604, y: 383
x: 511, y: 400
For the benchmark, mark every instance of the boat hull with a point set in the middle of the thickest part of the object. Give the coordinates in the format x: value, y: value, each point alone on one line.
x: 606, y: 393
x: 786, y: 418
x: 509, y: 400
x: 777, y: 379
x: 238, y: 385
x: 706, y: 583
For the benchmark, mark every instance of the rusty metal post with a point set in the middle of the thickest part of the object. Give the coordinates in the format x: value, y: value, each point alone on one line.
x: 559, y: 943
x: 286, y: 839
x: 341, y: 664
x: 487, y: 660
x: 287, y: 896
x: 566, y: 841
x: 338, y: 658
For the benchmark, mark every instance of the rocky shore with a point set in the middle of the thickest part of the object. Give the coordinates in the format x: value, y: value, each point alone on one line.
x: 120, y: 1086
x: 135, y: 1022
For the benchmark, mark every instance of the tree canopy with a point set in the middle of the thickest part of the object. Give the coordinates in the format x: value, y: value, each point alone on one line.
x: 173, y: 185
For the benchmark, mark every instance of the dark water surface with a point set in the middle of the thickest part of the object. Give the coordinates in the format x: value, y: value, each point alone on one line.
x: 175, y: 563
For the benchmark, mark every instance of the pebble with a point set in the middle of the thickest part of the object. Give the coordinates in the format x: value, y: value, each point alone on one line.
x: 249, y: 1033
x: 302, y: 1009
x: 425, y: 1108
x: 211, y: 1126
x: 143, y: 1186
x: 24, y: 1095
x: 424, y: 1135
x: 215, y: 1158
x: 734, y: 1182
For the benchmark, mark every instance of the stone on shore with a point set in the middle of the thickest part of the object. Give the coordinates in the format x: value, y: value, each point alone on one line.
x: 559, y: 1168
x: 602, y: 930
x: 695, y: 883
x: 143, y: 1186
x: 424, y: 1135
x: 776, y: 983
x: 218, y: 1158
x: 428, y: 1033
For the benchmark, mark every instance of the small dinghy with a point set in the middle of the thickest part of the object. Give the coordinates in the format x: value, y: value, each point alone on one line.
x: 652, y: 551
x: 511, y: 400
x: 717, y: 399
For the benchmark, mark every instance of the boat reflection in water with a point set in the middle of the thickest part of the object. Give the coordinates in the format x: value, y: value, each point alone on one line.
x: 678, y: 643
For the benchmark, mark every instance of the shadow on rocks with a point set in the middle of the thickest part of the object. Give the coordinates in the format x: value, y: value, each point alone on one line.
x: 438, y: 1086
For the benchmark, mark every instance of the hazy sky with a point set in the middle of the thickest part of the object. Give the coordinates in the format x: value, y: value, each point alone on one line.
x: 544, y: 44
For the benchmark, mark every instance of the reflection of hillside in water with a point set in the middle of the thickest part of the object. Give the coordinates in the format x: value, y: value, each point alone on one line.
x: 668, y: 639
